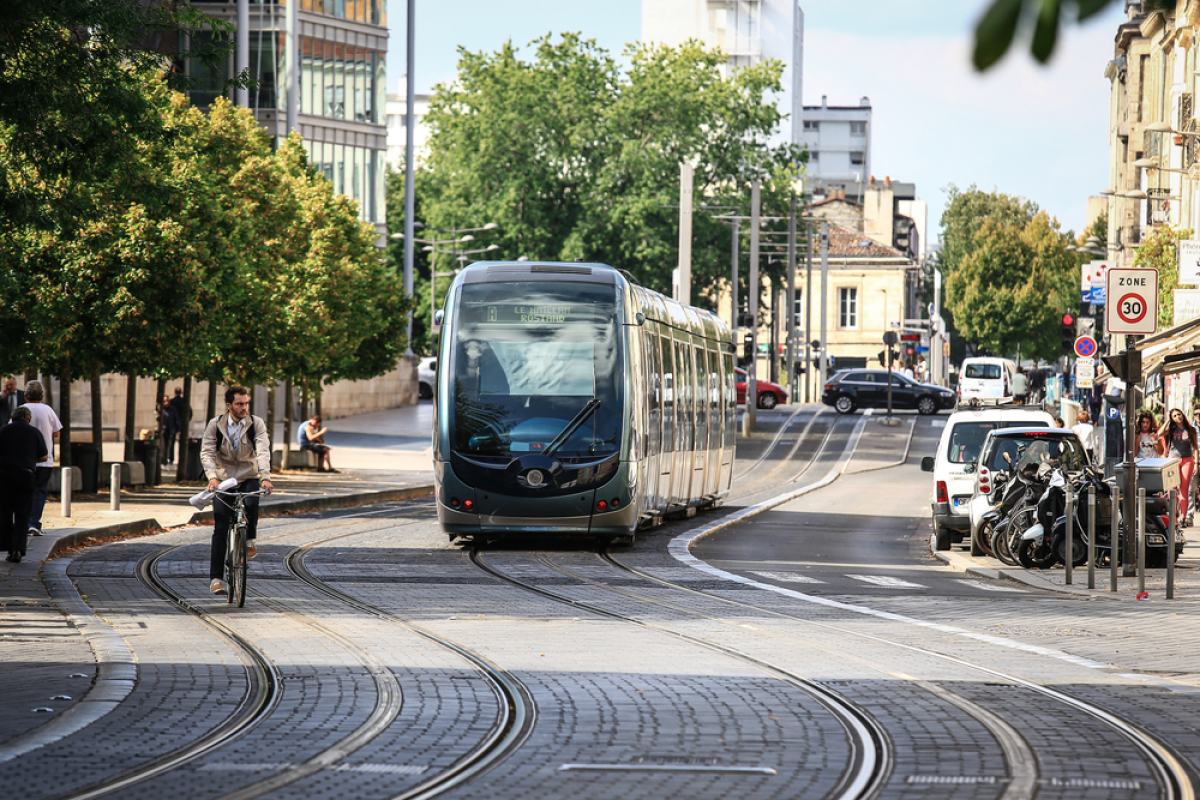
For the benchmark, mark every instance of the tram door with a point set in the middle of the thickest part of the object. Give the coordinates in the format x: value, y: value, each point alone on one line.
x: 700, y: 410
x: 716, y: 392
x: 654, y: 399
x: 666, y: 463
x: 730, y: 427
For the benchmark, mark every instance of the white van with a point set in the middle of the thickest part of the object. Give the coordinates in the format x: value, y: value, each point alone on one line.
x: 954, y: 464
x: 986, y: 378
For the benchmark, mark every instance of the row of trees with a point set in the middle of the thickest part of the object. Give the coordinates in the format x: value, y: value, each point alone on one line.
x: 575, y: 155
x: 156, y: 239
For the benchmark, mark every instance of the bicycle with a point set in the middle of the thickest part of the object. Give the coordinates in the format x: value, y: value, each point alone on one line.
x: 235, y: 547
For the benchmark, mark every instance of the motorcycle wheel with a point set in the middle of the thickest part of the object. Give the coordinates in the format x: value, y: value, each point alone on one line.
x: 983, y: 540
x: 1001, y: 549
x: 1036, y: 556
x: 1078, y: 552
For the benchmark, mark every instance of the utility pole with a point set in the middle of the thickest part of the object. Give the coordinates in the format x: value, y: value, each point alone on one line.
x: 936, y: 365
x: 734, y: 310
x: 410, y: 203
x: 824, y: 304
x: 685, y: 234
x: 241, y: 95
x: 290, y: 65
x: 749, y: 419
x: 808, y: 320
x: 791, y: 303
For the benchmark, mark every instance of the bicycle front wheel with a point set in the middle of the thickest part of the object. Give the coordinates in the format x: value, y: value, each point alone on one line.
x: 237, y: 587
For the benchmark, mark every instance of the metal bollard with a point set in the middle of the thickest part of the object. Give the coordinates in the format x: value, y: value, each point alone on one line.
x: 1171, y: 545
x: 65, y: 492
x: 1141, y: 541
x: 1091, y: 531
x: 114, y: 489
x: 1070, y: 560
x: 1114, y: 549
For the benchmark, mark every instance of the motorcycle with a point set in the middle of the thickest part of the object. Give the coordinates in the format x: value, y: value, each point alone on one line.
x: 1013, y: 512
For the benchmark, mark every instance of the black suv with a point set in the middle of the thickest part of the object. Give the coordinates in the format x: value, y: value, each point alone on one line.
x: 868, y: 388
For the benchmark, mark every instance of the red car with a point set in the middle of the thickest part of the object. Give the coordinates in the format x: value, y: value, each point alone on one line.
x: 769, y: 394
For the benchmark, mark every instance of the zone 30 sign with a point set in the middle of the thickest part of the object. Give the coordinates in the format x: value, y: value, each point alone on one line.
x: 1132, y: 301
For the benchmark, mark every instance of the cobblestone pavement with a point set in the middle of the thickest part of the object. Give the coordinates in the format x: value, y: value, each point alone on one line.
x: 392, y: 653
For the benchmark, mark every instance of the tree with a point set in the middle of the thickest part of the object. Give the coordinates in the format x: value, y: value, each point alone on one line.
x: 577, y: 158
x: 1009, y: 291
x: 1160, y: 250
x: 998, y: 26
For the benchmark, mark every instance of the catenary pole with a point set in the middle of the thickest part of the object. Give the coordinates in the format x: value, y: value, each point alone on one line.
x: 410, y: 202
x: 241, y: 95
x: 824, y: 303
x: 808, y: 319
x: 791, y: 303
x: 749, y: 420
x: 290, y: 62
x: 686, y: 172
x: 734, y: 309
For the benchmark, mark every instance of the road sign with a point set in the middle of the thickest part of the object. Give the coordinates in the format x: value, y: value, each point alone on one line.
x: 1085, y: 373
x: 1085, y: 347
x: 1113, y: 412
x: 1132, y: 301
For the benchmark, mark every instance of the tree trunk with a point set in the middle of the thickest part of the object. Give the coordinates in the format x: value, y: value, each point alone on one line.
x: 185, y: 432
x: 305, y: 413
x: 97, y: 412
x: 49, y: 399
x: 211, y: 411
x: 64, y: 412
x: 271, y: 413
x: 29, y: 376
x: 317, y: 403
x: 130, y: 416
x: 287, y: 424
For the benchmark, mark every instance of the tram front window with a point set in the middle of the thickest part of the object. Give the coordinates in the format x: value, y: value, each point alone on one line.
x: 529, y: 359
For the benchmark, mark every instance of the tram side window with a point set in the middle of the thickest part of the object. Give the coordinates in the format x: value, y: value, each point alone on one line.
x: 684, y: 420
x: 714, y: 395
x: 730, y: 401
x: 654, y: 390
x: 668, y: 373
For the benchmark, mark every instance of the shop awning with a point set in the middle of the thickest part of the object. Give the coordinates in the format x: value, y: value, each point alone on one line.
x: 1175, y: 350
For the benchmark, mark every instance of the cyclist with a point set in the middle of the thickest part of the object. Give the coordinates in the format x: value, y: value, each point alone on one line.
x: 235, y: 445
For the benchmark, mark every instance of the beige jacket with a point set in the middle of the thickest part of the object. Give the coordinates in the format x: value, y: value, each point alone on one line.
x: 252, y: 459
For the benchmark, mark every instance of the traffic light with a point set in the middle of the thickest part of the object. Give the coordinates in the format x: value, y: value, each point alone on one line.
x: 883, y: 358
x: 1068, y: 332
x: 747, y: 347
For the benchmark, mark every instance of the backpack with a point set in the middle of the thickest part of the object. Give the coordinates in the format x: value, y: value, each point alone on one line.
x: 221, y: 434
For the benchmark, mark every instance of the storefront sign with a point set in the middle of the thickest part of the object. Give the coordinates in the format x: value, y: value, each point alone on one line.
x: 1187, y: 305
x: 1189, y: 262
x: 1099, y: 275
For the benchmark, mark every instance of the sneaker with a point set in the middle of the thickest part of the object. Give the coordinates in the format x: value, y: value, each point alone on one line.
x: 217, y: 586
x: 35, y: 531
x: 14, y: 558
x: 251, y: 550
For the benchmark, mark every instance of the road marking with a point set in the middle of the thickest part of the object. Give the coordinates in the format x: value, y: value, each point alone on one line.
x: 886, y: 581
x: 667, y: 768
x: 391, y: 769
x: 954, y: 779
x: 786, y: 577
x: 989, y: 587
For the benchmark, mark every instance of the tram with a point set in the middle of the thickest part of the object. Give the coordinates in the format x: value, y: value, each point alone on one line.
x: 573, y: 401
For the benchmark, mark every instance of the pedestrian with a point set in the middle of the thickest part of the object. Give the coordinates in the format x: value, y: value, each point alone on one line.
x: 235, y: 445
x: 170, y: 431
x: 1179, y: 441
x: 908, y: 372
x: 1148, y: 442
x: 1058, y: 422
x: 1086, y: 433
x: 10, y: 400
x: 21, y: 449
x: 1037, y: 384
x: 1020, y: 387
x: 311, y: 437
x: 46, y: 421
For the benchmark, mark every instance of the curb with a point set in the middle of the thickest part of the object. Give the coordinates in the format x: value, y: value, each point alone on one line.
x: 966, y: 564
x: 76, y: 538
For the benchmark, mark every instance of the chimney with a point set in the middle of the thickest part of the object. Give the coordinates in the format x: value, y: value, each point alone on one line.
x: 887, y: 181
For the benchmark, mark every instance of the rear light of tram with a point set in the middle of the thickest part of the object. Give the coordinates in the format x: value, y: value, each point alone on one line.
x: 942, y: 495
x: 602, y: 505
x: 468, y: 505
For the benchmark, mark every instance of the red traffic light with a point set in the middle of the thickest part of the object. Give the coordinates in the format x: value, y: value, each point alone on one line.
x: 1068, y: 319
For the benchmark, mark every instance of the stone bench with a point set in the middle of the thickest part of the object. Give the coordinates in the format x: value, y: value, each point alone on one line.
x: 297, y: 459
x: 56, y: 479
x: 133, y: 473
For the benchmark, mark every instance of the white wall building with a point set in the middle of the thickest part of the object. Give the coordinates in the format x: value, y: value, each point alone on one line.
x: 839, y: 144
x: 397, y: 106
x: 748, y: 31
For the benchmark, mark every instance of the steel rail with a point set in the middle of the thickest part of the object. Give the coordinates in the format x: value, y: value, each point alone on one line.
x: 871, y: 762
x: 779, y: 435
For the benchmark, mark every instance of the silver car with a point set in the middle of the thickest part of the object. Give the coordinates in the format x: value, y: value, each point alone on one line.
x: 426, y: 372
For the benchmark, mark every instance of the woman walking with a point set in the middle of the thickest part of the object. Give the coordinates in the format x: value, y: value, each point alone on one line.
x: 1179, y: 441
x: 1147, y: 436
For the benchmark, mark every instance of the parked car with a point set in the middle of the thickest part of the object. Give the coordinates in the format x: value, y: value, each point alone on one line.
x: 426, y: 372
x: 853, y: 389
x: 769, y: 394
x: 953, y: 464
x: 986, y: 378
x: 1057, y: 446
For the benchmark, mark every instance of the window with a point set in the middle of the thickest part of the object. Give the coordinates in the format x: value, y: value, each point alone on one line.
x: 813, y: 156
x: 848, y: 307
x: 856, y: 157
x: 858, y: 128
x: 812, y: 125
x: 798, y: 308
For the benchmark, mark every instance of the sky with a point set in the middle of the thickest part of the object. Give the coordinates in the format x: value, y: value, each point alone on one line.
x: 1024, y: 129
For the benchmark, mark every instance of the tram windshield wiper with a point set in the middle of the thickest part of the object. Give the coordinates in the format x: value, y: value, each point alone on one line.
x: 572, y: 426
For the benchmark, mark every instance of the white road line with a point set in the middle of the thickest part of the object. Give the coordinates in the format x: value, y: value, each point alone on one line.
x: 989, y: 587
x: 786, y: 577
x: 887, y: 582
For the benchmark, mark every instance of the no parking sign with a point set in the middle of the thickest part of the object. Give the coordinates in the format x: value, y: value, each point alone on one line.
x: 1132, y: 301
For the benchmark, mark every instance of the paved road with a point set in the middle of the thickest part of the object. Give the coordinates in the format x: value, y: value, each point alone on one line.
x: 813, y: 650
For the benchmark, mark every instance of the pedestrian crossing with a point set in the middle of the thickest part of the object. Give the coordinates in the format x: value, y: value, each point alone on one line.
x: 885, y: 581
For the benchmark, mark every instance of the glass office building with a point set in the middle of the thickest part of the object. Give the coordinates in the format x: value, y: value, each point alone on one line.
x: 341, y: 48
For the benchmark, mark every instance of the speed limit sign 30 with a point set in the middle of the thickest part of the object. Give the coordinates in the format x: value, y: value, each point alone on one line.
x: 1132, y: 301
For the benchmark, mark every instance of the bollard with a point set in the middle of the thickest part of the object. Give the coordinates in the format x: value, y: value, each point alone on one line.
x: 1091, y: 532
x: 1141, y: 541
x: 66, y: 492
x: 1171, y: 545
x: 1070, y: 559
x: 1114, y: 541
x: 114, y: 489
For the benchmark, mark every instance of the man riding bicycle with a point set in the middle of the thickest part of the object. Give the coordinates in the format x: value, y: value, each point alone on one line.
x: 235, y: 445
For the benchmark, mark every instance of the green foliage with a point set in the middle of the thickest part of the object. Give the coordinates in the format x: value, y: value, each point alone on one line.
x: 1008, y: 273
x: 1160, y: 251
x: 997, y: 28
x: 577, y: 158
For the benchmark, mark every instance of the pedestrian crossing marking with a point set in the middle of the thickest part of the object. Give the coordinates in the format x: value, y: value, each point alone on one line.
x: 989, y: 587
x: 887, y: 581
x: 787, y: 577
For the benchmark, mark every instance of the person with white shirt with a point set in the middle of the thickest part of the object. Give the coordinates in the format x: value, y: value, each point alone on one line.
x: 1086, y: 433
x: 235, y: 445
x: 45, y: 420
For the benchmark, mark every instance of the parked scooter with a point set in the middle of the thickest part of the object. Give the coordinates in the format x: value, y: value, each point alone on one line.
x: 1015, y: 512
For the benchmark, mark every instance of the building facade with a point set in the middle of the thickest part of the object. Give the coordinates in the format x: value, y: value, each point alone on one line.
x: 397, y: 106
x: 747, y: 31
x: 839, y: 149
x: 341, y: 47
